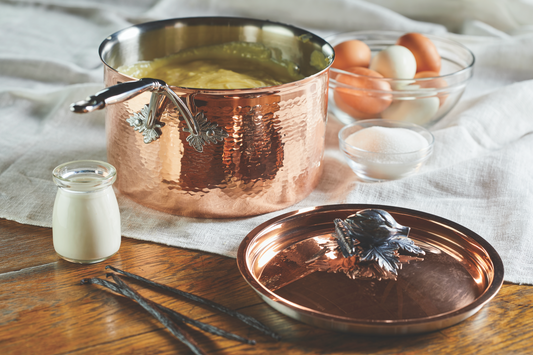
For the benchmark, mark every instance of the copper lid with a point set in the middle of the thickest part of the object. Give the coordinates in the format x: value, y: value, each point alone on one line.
x: 459, y: 273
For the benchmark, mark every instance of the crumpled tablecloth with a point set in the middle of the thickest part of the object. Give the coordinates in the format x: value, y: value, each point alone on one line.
x: 480, y: 175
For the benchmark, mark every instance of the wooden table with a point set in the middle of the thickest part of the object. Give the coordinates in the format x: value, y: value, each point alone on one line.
x: 45, y: 310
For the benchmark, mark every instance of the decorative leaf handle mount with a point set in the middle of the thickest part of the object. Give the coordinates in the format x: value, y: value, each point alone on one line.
x: 369, y: 244
x: 201, y: 131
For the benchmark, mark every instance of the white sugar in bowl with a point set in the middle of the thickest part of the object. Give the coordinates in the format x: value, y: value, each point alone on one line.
x: 381, y: 150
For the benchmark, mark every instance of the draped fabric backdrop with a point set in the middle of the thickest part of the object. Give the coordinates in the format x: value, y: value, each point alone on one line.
x: 480, y: 175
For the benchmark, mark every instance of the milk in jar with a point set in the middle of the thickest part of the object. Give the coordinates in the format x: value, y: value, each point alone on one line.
x: 86, y: 217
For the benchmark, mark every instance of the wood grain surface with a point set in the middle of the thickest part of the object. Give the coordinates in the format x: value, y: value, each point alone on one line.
x: 45, y: 310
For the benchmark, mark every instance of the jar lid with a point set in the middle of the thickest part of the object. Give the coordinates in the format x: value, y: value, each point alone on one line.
x: 84, y: 175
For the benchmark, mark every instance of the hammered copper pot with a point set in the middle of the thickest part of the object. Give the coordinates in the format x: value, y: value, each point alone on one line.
x: 268, y: 154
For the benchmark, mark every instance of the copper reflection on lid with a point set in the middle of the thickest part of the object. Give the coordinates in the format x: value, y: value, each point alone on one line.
x: 460, y: 272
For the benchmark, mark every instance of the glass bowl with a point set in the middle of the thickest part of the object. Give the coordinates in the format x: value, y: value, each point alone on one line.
x: 422, y: 101
x: 376, y: 165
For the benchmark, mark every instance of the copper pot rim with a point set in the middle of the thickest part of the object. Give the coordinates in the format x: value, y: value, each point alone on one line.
x: 222, y: 92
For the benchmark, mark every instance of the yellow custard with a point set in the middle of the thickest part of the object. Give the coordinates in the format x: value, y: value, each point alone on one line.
x: 234, y: 65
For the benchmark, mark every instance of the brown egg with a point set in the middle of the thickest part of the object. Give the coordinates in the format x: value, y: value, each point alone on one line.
x: 352, y: 53
x: 343, y: 106
x: 426, y: 54
x: 432, y: 83
x: 358, y: 97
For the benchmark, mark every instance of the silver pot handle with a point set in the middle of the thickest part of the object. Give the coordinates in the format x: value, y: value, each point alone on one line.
x: 145, y: 121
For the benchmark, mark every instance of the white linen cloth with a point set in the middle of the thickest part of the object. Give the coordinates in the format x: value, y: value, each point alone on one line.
x: 480, y: 175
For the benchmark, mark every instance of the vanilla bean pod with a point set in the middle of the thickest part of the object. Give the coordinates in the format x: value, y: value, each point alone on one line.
x: 206, y: 327
x: 151, y: 308
x: 178, y: 316
x: 242, y: 317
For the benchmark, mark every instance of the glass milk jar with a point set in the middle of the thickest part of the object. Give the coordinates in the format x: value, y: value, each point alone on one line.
x: 86, y: 218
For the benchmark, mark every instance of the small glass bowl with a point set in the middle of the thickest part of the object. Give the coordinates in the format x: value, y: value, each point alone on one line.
x: 423, y: 101
x: 375, y: 166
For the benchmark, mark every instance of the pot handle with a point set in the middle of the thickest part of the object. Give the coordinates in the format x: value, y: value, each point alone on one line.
x: 116, y: 94
x: 201, y: 131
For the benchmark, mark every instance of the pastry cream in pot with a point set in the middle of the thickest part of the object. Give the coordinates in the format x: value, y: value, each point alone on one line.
x: 234, y: 65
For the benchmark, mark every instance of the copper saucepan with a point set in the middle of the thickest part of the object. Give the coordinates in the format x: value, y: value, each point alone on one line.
x: 214, y: 153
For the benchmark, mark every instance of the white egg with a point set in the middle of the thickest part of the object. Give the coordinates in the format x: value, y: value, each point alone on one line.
x: 394, y: 62
x: 419, y: 111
